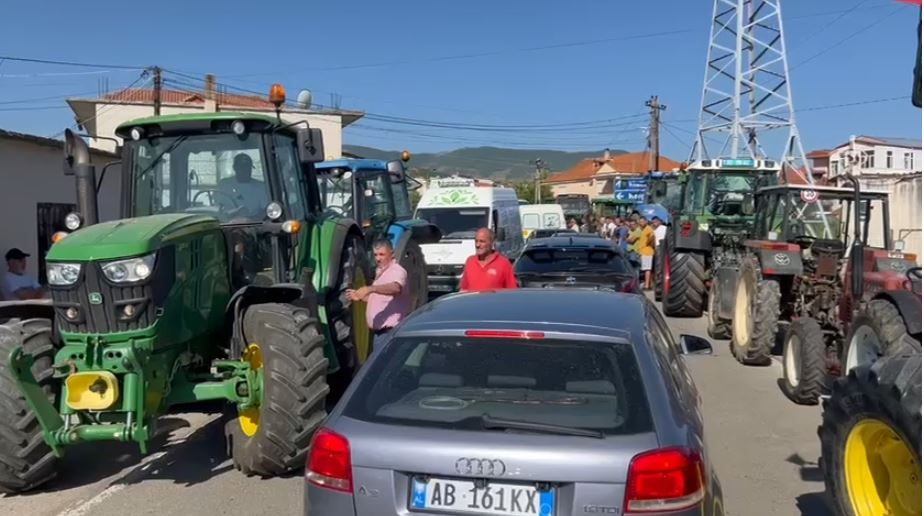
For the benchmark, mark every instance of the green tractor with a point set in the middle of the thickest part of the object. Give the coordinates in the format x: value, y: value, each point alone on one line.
x: 223, y: 280
x: 701, y: 252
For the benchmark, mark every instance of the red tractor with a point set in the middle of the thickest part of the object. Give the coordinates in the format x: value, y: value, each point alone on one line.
x: 794, y: 272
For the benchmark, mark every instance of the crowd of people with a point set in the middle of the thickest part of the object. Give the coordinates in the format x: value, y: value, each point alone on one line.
x: 639, y: 238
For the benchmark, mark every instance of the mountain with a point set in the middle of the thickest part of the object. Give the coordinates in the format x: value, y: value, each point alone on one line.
x: 488, y: 162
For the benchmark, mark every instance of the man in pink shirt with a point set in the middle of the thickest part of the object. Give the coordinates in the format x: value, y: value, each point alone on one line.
x: 388, y: 300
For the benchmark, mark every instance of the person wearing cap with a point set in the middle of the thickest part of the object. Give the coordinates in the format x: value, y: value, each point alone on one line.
x: 16, y: 285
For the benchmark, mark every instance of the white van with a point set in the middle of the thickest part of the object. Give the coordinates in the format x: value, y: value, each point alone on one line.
x: 541, y: 216
x: 459, y: 206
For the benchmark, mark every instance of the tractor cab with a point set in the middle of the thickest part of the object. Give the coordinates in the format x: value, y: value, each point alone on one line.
x: 249, y: 172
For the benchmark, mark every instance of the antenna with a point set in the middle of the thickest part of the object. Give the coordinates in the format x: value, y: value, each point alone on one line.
x: 303, y: 100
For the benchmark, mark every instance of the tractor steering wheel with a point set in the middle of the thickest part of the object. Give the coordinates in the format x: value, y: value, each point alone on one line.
x: 209, y: 191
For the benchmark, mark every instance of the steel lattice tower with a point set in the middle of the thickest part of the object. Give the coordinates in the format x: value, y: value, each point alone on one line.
x: 747, y: 105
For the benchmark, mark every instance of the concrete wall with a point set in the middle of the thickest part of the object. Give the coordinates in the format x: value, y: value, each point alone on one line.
x: 110, y: 116
x: 589, y: 187
x: 904, y: 211
x: 32, y: 173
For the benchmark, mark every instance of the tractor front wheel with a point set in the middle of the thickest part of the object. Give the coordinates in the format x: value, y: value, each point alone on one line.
x: 26, y: 461
x: 871, y: 437
x: 804, y: 367
x: 754, y: 322
x: 875, y: 330
x: 286, y: 343
x: 416, y: 267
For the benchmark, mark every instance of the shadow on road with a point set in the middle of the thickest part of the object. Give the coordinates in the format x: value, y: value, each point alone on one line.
x: 810, y: 504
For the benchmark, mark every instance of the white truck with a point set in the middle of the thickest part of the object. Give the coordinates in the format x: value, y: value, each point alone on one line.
x: 459, y: 206
x: 541, y: 216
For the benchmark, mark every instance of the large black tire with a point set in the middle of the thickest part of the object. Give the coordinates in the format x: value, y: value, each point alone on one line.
x: 875, y: 329
x: 294, y: 390
x: 352, y: 340
x: 26, y: 461
x: 804, y: 369
x: 659, y: 271
x: 757, y: 313
x: 686, y: 289
x: 413, y: 261
x: 716, y: 327
x: 881, y: 400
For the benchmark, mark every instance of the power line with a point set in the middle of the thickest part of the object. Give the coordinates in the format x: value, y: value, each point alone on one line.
x: 70, y: 63
x: 845, y: 39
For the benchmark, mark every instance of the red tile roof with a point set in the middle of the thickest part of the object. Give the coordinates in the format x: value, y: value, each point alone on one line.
x: 630, y: 163
x: 817, y: 154
x: 146, y: 96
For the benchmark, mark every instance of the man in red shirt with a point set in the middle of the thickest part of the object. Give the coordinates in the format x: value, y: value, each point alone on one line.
x: 486, y: 269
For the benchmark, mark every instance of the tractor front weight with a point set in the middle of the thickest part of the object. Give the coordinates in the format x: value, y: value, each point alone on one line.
x: 120, y: 405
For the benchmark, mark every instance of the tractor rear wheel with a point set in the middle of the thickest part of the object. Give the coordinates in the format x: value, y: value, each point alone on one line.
x: 659, y: 271
x: 273, y: 438
x: 875, y: 330
x: 26, y: 461
x: 754, y: 322
x: 686, y: 288
x: 717, y: 328
x: 804, y: 368
x: 871, y: 436
x: 347, y: 319
x: 413, y: 262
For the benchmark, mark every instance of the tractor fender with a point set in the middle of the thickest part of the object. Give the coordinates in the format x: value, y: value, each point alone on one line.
x: 28, y: 309
x: 909, y: 306
x: 776, y: 261
x: 252, y: 295
x: 686, y: 236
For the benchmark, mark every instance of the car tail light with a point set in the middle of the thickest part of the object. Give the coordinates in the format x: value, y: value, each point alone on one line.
x: 329, y: 463
x: 505, y: 334
x: 630, y: 286
x: 664, y: 480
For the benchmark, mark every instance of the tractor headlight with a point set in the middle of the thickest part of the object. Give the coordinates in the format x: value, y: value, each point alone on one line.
x: 129, y: 270
x: 704, y: 226
x: 62, y: 273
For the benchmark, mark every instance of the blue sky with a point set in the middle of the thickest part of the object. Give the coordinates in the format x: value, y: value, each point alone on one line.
x: 474, y: 62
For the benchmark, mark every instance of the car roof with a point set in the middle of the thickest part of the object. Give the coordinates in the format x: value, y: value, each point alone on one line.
x: 577, y: 240
x: 601, y: 313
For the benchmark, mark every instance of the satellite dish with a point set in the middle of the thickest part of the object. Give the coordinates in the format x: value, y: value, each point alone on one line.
x: 304, y: 99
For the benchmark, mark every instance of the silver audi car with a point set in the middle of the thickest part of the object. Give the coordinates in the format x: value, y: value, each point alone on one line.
x: 551, y: 402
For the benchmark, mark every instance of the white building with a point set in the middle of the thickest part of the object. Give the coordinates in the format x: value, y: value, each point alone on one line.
x: 879, y: 156
x: 890, y: 164
x: 37, y: 195
x: 101, y: 116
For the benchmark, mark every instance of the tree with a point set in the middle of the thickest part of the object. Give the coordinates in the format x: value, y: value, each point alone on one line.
x: 526, y: 190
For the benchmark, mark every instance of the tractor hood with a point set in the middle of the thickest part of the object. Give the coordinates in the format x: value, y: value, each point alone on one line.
x: 127, y: 237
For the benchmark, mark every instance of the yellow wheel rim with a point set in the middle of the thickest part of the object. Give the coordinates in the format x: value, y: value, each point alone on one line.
x: 249, y: 418
x: 883, y: 476
x: 360, y: 330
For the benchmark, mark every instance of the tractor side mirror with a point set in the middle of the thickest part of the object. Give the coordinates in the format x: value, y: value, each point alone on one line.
x: 693, y: 345
x: 899, y: 246
x: 310, y: 145
x: 395, y: 172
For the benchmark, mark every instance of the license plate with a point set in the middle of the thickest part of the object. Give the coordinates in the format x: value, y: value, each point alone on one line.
x: 459, y: 496
x: 442, y: 288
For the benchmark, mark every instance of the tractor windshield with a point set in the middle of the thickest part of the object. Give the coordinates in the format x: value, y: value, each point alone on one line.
x: 720, y: 193
x: 223, y: 175
x: 337, y: 193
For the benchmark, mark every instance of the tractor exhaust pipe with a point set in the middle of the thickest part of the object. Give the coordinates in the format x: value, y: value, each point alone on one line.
x: 77, y: 164
x: 856, y: 251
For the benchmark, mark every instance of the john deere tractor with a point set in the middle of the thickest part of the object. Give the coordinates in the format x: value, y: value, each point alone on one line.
x: 375, y: 193
x: 224, y: 280
x: 701, y: 251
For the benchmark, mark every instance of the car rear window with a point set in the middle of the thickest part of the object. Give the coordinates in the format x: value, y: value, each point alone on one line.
x: 451, y: 382
x: 542, y: 261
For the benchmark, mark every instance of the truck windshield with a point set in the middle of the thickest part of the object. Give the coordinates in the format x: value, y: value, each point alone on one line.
x: 456, y: 222
x: 222, y: 175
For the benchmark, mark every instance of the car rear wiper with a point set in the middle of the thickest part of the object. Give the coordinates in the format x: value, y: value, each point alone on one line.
x: 490, y: 422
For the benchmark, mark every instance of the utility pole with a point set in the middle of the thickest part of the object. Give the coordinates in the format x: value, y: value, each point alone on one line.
x: 158, y: 85
x: 539, y: 165
x: 654, y: 132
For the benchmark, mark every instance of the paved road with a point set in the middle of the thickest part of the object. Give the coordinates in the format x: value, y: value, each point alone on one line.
x: 764, y: 448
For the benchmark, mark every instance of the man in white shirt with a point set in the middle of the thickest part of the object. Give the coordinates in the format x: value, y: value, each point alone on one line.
x: 660, y: 231
x: 246, y: 192
x: 16, y: 285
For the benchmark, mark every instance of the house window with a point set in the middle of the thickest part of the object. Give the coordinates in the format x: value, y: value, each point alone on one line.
x: 909, y: 161
x: 888, y: 159
x: 834, y: 167
x: 867, y: 159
